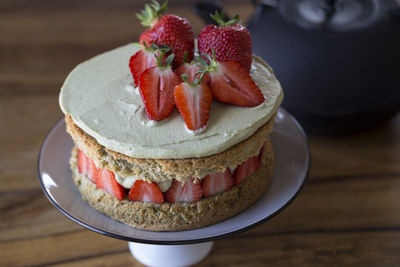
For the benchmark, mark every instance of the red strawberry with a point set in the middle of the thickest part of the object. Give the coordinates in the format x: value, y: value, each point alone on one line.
x: 245, y: 169
x: 231, y: 41
x: 217, y: 183
x: 106, y: 181
x: 146, y: 192
x: 86, y: 166
x: 82, y: 163
x: 230, y: 83
x: 194, y: 103
x: 145, y: 59
x: 157, y: 89
x: 169, y: 30
x: 190, y: 69
x: 92, y: 171
x: 187, y: 192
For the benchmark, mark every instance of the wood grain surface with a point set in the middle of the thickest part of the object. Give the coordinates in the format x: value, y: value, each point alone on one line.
x: 348, y: 213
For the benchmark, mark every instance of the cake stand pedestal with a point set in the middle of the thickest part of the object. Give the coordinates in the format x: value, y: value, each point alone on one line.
x: 292, y: 163
x: 170, y: 255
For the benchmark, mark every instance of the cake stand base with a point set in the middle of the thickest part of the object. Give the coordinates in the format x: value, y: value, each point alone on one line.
x: 170, y: 255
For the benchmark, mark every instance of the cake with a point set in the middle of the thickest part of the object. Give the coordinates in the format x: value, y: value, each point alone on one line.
x: 160, y: 175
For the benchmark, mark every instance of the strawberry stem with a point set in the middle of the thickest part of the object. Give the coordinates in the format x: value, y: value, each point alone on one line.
x: 164, y: 64
x: 196, y: 81
x: 202, y: 62
x: 184, y: 78
x: 168, y: 61
x: 185, y: 57
x: 221, y: 20
x: 212, y: 65
x: 163, y: 48
x: 151, y: 13
x: 153, y: 47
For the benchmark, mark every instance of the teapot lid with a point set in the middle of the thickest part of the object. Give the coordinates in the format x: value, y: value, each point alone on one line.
x: 331, y: 15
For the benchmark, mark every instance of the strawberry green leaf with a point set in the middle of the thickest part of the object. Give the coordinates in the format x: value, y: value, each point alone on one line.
x: 151, y: 13
x: 221, y: 20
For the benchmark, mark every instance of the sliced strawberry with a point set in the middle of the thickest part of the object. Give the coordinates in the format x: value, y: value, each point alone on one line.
x: 194, y: 103
x: 140, y: 62
x: 245, y: 169
x: 187, y: 192
x: 157, y: 91
x: 92, y: 171
x: 82, y: 163
x: 86, y: 166
x: 231, y: 83
x: 106, y: 181
x: 146, y: 192
x: 190, y: 70
x: 217, y: 183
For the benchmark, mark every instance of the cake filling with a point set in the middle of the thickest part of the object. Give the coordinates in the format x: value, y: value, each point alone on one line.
x: 172, y: 191
x: 127, y: 182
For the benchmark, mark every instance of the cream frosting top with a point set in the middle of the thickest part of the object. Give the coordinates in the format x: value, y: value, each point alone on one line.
x: 101, y: 99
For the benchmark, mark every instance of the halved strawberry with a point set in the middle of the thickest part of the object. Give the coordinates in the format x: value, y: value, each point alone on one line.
x: 82, y: 162
x: 140, y: 62
x: 144, y: 59
x: 157, y: 90
x: 194, y: 103
x: 92, y: 171
x: 146, y: 192
x: 245, y: 169
x: 106, y: 181
x: 86, y: 166
x: 231, y: 83
x: 216, y: 183
x: 190, y: 69
x: 187, y: 192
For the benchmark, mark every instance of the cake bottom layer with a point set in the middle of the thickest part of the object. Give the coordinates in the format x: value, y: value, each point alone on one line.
x: 178, y: 216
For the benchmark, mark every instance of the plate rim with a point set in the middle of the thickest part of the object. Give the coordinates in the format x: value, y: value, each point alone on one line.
x: 176, y: 242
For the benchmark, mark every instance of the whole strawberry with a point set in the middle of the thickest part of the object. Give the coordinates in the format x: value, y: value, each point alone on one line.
x: 170, y: 30
x: 230, y: 41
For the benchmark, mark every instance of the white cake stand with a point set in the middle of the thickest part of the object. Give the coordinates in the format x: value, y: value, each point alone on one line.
x: 184, y: 248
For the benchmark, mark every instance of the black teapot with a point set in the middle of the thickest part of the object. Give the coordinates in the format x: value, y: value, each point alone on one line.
x: 338, y: 61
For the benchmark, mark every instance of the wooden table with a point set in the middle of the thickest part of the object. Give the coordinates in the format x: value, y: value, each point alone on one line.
x: 348, y: 213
